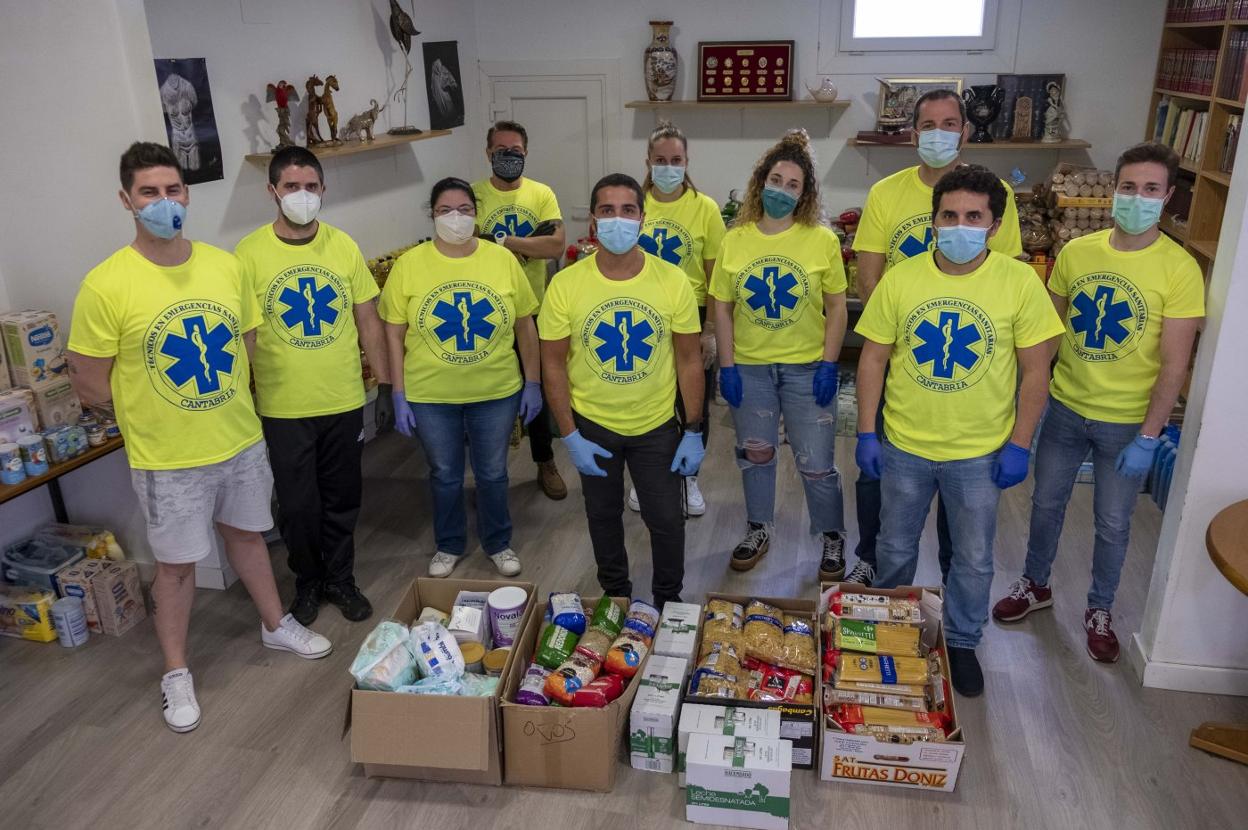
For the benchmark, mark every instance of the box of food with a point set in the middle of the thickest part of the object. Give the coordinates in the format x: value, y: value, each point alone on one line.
x: 118, y: 597
x: 700, y: 719
x: 31, y: 562
x: 57, y: 404
x: 866, y: 758
x: 652, y: 722
x: 762, y: 685
x: 26, y: 612
x: 17, y: 415
x: 739, y: 782
x: 34, y: 348
x: 678, y: 630
x: 431, y: 737
x: 5, y: 380
x: 75, y: 581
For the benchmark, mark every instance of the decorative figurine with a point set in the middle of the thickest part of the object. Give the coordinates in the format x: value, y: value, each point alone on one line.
x: 825, y: 93
x: 402, y: 29
x: 659, y: 62
x: 282, y: 94
x: 1053, y: 114
x: 312, y: 121
x: 361, y: 126
x: 1022, y: 119
x: 327, y: 104
x: 983, y: 105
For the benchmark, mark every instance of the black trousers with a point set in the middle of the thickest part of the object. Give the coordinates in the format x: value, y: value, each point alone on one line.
x: 316, y: 471
x: 708, y: 392
x: 541, y: 429
x: 649, y: 460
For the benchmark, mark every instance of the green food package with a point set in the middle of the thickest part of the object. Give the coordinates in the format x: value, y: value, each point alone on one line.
x: 555, y: 646
x: 855, y: 635
x: 608, y: 616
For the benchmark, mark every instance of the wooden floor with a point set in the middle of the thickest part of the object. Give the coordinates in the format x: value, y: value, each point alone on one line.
x: 1056, y: 741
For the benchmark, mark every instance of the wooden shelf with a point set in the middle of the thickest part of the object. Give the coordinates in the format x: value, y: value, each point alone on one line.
x: 1177, y: 231
x: 1221, y: 178
x: 1067, y: 144
x: 1197, y: 24
x: 1227, y: 102
x: 384, y: 141
x: 1188, y: 165
x: 1190, y: 96
x: 735, y: 105
x: 1205, y: 247
x: 11, y: 491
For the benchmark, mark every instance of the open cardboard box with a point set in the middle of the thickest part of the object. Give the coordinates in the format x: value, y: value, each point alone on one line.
x: 431, y: 737
x: 797, y: 720
x: 922, y: 765
x: 554, y: 746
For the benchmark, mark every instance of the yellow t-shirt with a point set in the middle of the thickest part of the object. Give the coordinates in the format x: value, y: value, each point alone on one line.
x: 777, y: 284
x: 516, y: 213
x: 897, y: 220
x: 460, y: 315
x: 1111, y: 354
x: 953, y: 373
x: 307, y: 360
x: 686, y: 233
x: 180, y: 377
x: 621, y: 363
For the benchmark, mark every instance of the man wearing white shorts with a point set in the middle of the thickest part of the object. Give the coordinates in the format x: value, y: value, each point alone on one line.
x: 161, y: 337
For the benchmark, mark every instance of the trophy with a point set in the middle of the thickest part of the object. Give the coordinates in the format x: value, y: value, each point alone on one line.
x: 983, y: 105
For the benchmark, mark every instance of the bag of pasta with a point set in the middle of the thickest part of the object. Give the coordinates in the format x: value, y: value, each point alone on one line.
x: 763, y: 632
x: 799, y: 650
x: 722, y: 624
x: 718, y: 674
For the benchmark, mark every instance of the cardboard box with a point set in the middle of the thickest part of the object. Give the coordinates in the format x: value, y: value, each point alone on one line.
x: 34, y: 348
x: 17, y: 415
x: 923, y: 765
x: 118, y: 597
x: 5, y: 380
x: 678, y: 630
x: 797, y: 720
x: 429, y: 737
x: 57, y: 405
x: 700, y: 719
x: 652, y: 722
x: 739, y: 782
x: 75, y: 581
x: 563, y: 748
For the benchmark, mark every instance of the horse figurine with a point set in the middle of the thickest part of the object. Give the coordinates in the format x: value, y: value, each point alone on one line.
x: 327, y: 104
x: 361, y: 126
x: 312, y: 121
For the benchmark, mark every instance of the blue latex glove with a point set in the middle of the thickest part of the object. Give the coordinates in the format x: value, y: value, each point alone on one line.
x: 1010, y: 468
x: 730, y: 385
x: 583, y: 451
x: 404, y: 420
x: 689, y: 455
x: 869, y: 455
x: 530, y: 401
x: 827, y: 378
x: 1136, y: 458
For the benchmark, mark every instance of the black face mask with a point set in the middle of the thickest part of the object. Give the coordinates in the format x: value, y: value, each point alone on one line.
x: 508, y: 165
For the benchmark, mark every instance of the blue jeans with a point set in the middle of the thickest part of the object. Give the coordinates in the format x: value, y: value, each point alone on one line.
x: 907, y: 486
x: 441, y: 428
x: 1065, y: 438
x: 769, y: 391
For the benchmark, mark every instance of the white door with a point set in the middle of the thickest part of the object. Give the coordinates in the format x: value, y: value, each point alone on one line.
x: 564, y: 108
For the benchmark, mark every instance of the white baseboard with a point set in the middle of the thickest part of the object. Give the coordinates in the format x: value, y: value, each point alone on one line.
x: 1183, y: 677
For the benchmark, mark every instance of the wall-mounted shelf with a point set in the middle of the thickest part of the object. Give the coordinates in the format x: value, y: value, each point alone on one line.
x: 1185, y: 95
x: 1204, y: 247
x: 734, y: 105
x: 1067, y: 144
x: 384, y: 141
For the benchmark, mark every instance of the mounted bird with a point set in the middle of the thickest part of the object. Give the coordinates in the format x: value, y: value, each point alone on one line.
x: 402, y: 29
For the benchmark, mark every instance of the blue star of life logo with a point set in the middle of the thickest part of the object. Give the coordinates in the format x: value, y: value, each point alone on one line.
x: 464, y: 320
x: 199, y: 354
x: 1099, y: 316
x: 772, y: 292
x: 624, y: 340
x: 664, y: 244
x: 308, y: 306
x: 912, y: 247
x: 946, y: 344
x: 512, y: 224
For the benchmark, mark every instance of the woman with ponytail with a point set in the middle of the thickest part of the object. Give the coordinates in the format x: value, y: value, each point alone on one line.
x: 780, y: 320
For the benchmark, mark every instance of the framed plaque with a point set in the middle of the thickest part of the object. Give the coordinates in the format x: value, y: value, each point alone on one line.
x: 745, y: 70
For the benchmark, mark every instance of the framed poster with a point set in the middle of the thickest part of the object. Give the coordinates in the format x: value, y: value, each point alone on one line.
x: 745, y: 70
x: 189, y: 120
x: 1022, y: 111
x: 895, y: 110
x: 444, y: 85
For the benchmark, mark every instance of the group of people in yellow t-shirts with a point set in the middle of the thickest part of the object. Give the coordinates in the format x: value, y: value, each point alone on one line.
x: 617, y: 353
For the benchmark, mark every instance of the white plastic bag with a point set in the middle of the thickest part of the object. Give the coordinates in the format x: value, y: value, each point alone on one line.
x: 385, y: 660
x: 437, y: 653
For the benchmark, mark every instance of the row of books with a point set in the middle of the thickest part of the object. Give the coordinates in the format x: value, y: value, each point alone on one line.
x: 1240, y: 10
x: 1188, y: 70
x: 1234, y: 82
x: 1182, y: 128
x: 1227, y: 163
x: 1190, y: 11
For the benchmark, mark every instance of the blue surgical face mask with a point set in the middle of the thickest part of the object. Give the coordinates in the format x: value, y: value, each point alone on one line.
x: 162, y: 218
x: 778, y: 203
x: 667, y: 177
x: 617, y: 234
x: 961, y: 243
x: 1135, y: 213
x: 938, y: 148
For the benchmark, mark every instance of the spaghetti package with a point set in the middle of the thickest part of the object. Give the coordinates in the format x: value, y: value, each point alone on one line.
x: 763, y: 632
x: 627, y: 653
x: 722, y: 624
x: 875, y: 607
x: 608, y: 617
x: 833, y: 697
x: 882, y: 669
x: 594, y: 645
x: 599, y: 692
x: 776, y: 684
x: 798, y: 651
x: 574, y: 673
x: 718, y: 674
x: 876, y: 637
x: 642, y: 618
x: 898, y: 724
x: 915, y: 690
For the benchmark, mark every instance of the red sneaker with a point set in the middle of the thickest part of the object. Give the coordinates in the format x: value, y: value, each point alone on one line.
x: 1102, y: 642
x: 1024, y: 597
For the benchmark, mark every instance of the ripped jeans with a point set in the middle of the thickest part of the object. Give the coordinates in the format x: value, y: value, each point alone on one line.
x: 769, y: 391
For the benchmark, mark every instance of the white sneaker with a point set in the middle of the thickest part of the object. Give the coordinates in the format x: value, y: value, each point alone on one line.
x: 442, y: 564
x: 633, y: 503
x: 695, y: 504
x: 507, y: 562
x: 177, y: 692
x: 293, y: 637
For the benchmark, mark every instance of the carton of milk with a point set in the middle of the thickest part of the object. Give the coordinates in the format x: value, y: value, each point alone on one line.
x: 739, y: 782
x: 35, y: 348
x: 118, y: 597
x: 702, y: 719
x: 652, y: 721
x: 678, y: 630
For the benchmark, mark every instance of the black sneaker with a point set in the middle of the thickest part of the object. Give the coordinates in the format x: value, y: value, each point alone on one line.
x: 964, y: 672
x: 752, y: 548
x: 349, y: 600
x: 863, y: 574
x: 832, y: 565
x: 307, y: 605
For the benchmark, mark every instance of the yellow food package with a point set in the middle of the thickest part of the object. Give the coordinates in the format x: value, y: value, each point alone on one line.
x: 27, y: 613
x: 866, y: 668
x: 722, y: 625
x: 799, y: 651
x: 763, y: 633
x: 876, y: 637
x: 718, y: 674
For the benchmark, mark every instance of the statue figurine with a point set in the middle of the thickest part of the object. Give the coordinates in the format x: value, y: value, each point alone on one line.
x: 1053, y: 114
x: 282, y: 94
x: 327, y: 104
x: 312, y: 121
x: 361, y: 126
